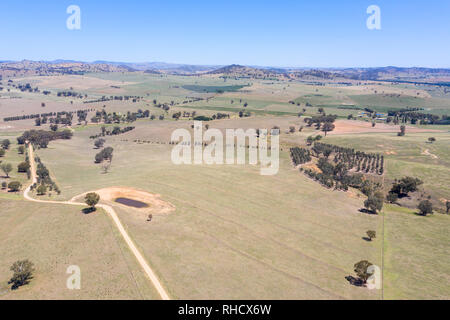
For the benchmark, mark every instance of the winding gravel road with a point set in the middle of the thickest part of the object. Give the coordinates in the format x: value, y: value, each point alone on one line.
x: 141, y: 260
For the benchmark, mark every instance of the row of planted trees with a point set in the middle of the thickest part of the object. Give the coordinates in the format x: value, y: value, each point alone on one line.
x: 354, y: 160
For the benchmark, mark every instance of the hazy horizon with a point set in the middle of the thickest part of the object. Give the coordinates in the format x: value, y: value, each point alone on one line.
x: 98, y: 61
x: 322, y: 34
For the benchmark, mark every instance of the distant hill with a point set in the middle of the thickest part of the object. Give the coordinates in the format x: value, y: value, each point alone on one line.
x: 163, y: 67
x: 390, y: 73
x: 236, y: 70
x: 27, y: 68
x: 385, y: 73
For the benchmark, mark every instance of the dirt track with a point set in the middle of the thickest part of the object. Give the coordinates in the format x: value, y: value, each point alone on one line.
x: 141, y: 260
x: 352, y: 126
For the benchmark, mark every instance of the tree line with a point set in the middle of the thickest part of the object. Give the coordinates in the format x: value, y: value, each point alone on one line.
x: 354, y: 160
x: 42, y: 138
x: 44, y: 115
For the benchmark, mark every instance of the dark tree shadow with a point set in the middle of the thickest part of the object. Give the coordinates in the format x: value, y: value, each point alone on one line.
x: 366, y: 239
x: 354, y: 281
x: 364, y: 210
x: 89, y: 210
x: 420, y: 214
x: 16, y: 286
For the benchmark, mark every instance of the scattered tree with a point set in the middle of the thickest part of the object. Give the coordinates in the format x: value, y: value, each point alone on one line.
x: 327, y: 127
x: 392, y: 197
x: 41, y: 190
x: 23, y: 272
x: 374, y: 202
x: 371, y: 234
x: 99, y: 143
x: 5, y: 144
x: 23, y: 167
x: 361, y: 270
x: 106, y: 165
x: 14, y: 186
x: 425, y: 207
x: 21, y: 149
x: 92, y: 200
x: 431, y: 140
x: 406, y: 185
x: 6, y: 168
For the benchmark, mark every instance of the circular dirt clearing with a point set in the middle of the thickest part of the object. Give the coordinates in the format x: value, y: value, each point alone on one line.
x: 136, y: 199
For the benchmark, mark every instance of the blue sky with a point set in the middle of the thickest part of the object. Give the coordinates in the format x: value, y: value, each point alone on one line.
x: 319, y: 33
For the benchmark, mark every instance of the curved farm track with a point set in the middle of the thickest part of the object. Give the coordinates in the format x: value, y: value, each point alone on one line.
x: 139, y: 257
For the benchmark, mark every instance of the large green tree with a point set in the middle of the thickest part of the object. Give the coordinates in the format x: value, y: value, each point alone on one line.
x: 374, y: 202
x: 361, y: 270
x: 92, y: 199
x: 14, y: 186
x: 425, y: 207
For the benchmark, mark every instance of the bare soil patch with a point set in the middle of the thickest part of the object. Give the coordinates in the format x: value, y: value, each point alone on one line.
x: 155, y: 204
x: 428, y: 153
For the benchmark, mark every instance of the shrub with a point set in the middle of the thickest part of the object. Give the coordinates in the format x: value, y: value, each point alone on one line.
x: 392, y: 197
x: 99, y: 143
x: 5, y: 144
x: 41, y: 190
x: 23, y: 167
x: 14, y: 186
x: 105, y: 154
x: 425, y: 207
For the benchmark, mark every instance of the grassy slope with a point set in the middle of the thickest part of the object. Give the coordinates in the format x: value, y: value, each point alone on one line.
x: 416, y: 255
x: 235, y: 234
x: 54, y: 237
x: 219, y: 211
